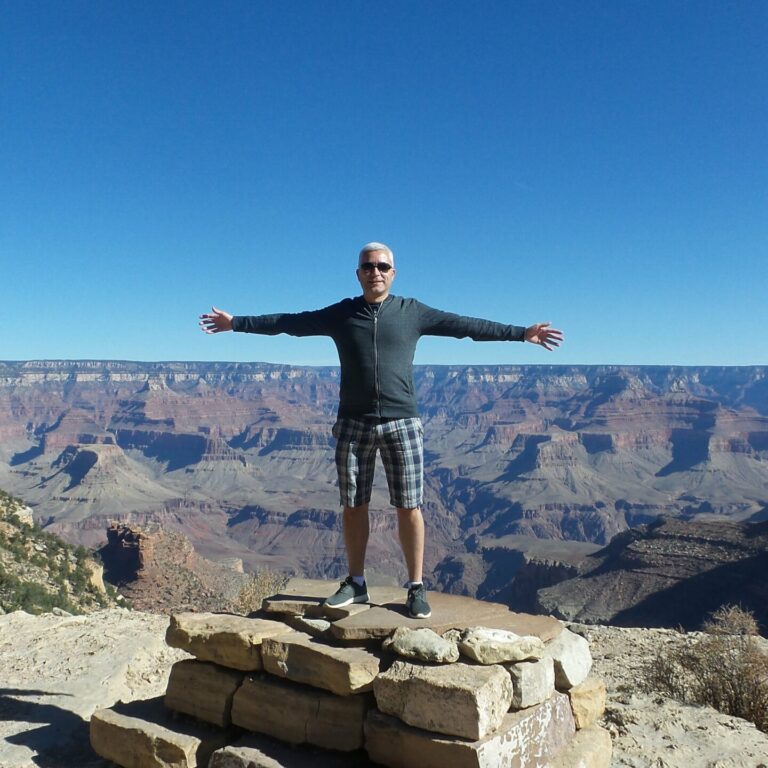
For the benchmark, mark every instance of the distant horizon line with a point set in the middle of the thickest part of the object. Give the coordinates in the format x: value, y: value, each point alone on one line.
x: 92, y: 360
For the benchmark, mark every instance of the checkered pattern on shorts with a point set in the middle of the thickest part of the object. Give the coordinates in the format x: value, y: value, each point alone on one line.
x: 401, y: 444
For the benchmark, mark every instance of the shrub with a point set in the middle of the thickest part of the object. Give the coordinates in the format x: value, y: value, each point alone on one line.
x: 259, y: 585
x: 724, y: 667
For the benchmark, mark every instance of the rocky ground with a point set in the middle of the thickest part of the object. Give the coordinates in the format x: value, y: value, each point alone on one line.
x: 652, y: 731
x: 56, y: 670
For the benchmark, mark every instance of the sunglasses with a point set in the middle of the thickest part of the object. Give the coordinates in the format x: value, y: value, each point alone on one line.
x: 369, y: 266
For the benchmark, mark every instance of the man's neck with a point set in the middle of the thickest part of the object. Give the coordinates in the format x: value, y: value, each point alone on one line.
x: 376, y: 299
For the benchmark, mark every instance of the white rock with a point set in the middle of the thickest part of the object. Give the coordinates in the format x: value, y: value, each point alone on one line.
x: 496, y: 646
x: 424, y: 644
x: 533, y: 682
x: 572, y: 658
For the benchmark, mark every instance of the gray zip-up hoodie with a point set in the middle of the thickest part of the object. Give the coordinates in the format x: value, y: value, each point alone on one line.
x: 376, y: 348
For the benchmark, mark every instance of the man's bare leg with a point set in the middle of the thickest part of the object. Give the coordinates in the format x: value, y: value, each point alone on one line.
x: 410, y: 526
x: 353, y: 589
x: 356, y: 528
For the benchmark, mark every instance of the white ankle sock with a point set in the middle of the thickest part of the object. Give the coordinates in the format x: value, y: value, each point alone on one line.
x: 414, y: 584
x: 359, y: 580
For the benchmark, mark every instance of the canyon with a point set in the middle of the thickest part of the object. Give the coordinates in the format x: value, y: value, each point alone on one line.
x: 529, y: 469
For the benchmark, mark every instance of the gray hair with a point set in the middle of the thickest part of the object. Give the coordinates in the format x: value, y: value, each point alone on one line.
x: 371, y: 247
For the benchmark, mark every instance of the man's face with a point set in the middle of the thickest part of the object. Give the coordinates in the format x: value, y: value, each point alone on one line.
x: 374, y: 282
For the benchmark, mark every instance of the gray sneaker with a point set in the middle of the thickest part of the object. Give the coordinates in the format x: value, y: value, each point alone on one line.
x: 348, y: 593
x: 416, y: 603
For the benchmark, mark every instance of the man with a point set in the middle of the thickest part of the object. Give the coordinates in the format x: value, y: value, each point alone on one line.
x: 376, y: 335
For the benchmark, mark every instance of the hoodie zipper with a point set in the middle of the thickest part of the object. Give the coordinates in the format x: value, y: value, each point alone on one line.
x: 377, y: 383
x: 376, y: 357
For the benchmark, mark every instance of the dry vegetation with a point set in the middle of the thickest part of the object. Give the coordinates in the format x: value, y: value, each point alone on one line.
x: 259, y: 585
x: 39, y: 572
x: 725, y: 667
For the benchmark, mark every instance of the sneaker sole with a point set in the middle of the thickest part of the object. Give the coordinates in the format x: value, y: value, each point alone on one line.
x: 420, y: 615
x: 358, y: 599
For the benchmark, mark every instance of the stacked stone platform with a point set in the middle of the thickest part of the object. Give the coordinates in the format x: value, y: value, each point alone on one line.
x: 473, y: 686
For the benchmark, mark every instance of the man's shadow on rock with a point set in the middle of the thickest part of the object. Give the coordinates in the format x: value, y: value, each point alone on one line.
x: 61, y: 741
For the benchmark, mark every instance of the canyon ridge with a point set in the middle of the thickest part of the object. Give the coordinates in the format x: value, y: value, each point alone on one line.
x: 528, y: 468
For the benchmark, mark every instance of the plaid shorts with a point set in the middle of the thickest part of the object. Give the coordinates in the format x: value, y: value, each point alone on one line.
x: 401, y: 443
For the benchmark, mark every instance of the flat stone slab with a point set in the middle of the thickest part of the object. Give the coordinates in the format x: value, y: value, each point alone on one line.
x: 448, y: 612
x: 545, y: 628
x: 306, y: 597
x: 203, y: 690
x: 142, y: 735
x: 299, y: 714
x: 225, y: 639
x: 304, y: 659
x: 529, y: 738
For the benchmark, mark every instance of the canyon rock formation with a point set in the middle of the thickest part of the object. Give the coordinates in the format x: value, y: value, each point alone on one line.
x: 239, y: 458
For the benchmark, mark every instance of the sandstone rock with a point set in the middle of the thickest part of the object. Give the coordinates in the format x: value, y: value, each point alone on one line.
x: 545, y: 628
x: 572, y: 658
x: 320, y: 628
x: 335, y: 613
x: 225, y: 639
x: 306, y: 597
x: 496, y: 646
x: 257, y: 751
x: 587, y: 701
x: 141, y: 736
x: 458, y: 699
x: 589, y: 748
x: 452, y: 635
x: 525, y: 739
x: 203, y: 690
x: 448, y: 612
x: 532, y: 681
x: 303, y: 659
x: 300, y: 714
x: 423, y: 644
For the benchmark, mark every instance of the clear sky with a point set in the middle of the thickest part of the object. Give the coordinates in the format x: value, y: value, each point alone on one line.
x: 600, y: 165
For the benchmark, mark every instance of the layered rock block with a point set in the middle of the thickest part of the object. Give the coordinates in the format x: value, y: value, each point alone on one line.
x: 300, y: 714
x: 524, y: 739
x: 143, y: 737
x: 473, y: 686
x: 227, y: 640
x: 303, y: 659
x: 202, y: 690
x: 455, y: 699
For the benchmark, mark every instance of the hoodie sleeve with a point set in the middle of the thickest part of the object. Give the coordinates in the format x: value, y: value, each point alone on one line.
x: 435, y: 322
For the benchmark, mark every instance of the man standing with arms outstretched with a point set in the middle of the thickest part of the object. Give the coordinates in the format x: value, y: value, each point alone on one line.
x: 376, y: 335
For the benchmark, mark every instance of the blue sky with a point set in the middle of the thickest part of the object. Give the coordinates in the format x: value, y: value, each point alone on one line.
x: 601, y: 165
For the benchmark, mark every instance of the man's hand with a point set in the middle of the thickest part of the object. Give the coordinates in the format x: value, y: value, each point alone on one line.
x: 217, y: 321
x: 543, y: 335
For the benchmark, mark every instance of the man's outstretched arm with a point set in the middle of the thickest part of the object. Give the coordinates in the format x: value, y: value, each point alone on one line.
x: 216, y: 321
x: 318, y: 322
x: 543, y: 335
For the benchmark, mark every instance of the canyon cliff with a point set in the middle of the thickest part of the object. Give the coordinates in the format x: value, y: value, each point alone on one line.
x: 239, y: 458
